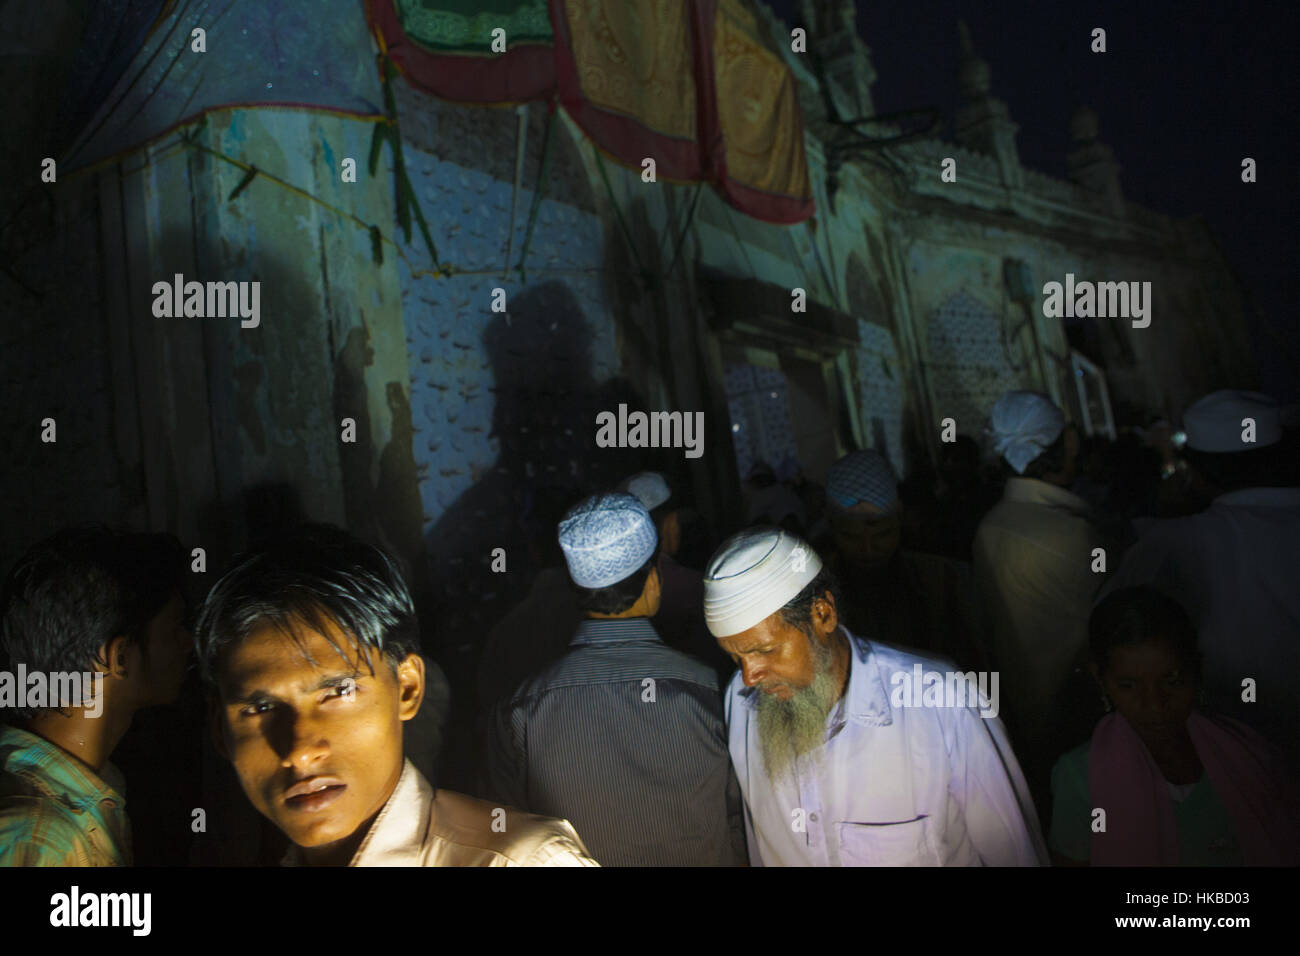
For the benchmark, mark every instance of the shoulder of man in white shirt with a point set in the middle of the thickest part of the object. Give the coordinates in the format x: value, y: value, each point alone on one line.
x: 481, y: 827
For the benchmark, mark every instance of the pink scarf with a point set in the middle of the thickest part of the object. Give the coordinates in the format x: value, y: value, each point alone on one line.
x: 1141, y: 830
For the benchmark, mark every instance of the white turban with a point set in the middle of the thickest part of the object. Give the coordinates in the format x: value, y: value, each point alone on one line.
x: 1024, y: 425
x: 1214, y: 423
x: 753, y: 575
x: 649, y: 488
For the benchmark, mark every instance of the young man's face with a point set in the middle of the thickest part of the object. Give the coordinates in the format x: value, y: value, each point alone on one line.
x: 317, y: 746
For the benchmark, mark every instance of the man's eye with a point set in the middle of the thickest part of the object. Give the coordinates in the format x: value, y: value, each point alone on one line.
x: 258, y: 707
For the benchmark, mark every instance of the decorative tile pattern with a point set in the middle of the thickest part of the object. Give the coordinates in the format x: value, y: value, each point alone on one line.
x: 968, y: 363
x: 761, y: 428
x: 880, y: 390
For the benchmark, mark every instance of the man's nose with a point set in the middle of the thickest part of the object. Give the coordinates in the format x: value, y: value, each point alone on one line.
x: 752, y: 674
x: 304, y: 743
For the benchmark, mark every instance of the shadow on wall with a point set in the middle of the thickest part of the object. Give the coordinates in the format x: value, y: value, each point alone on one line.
x: 254, y: 429
x: 154, y: 414
x: 245, y: 422
x: 234, y: 415
x: 544, y: 421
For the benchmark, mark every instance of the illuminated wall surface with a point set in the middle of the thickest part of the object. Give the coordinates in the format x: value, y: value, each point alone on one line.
x: 462, y: 413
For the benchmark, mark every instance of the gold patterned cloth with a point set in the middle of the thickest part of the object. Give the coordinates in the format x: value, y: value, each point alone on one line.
x: 693, y: 84
x: 760, y: 120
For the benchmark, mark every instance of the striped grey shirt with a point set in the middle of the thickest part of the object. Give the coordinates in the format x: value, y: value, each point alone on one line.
x: 624, y: 737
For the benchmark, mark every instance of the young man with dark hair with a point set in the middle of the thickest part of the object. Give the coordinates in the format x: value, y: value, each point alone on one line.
x: 311, y: 645
x: 84, y: 606
x: 624, y: 735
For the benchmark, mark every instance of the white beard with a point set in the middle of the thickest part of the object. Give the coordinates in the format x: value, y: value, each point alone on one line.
x: 789, y: 729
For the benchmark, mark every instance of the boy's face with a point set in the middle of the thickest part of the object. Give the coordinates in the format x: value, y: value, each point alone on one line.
x: 317, y: 746
x: 1152, y: 689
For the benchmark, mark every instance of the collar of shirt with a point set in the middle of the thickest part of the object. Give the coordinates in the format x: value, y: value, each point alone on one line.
x: 59, y: 775
x: 615, y: 631
x: 400, y: 829
x: 421, y: 826
x: 1288, y: 498
x: 1031, y: 491
x: 865, y: 699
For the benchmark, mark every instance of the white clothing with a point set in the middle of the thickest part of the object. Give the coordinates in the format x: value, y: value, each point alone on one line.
x: 892, y: 786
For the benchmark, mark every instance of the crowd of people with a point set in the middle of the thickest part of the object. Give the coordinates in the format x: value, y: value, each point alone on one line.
x: 1080, y: 652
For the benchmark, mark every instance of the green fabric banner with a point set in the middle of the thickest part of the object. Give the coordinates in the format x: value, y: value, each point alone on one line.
x: 465, y: 26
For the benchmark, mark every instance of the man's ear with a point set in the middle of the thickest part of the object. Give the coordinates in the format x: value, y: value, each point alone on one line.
x: 117, y: 652
x: 410, y: 686
x: 825, y: 618
x: 654, y: 586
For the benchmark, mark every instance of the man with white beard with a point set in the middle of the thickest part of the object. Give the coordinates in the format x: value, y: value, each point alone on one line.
x: 832, y: 770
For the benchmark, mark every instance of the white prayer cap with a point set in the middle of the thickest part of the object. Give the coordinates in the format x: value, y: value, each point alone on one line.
x: 1214, y: 423
x: 1024, y: 425
x: 648, y: 487
x: 754, y: 574
x: 606, y: 538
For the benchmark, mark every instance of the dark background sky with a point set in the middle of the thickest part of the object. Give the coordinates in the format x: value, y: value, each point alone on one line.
x: 1183, y: 93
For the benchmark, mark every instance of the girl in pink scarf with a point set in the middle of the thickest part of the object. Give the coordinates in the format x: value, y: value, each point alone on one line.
x: 1155, y: 741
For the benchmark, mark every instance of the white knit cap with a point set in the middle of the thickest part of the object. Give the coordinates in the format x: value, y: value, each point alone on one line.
x: 606, y: 538
x: 1024, y: 425
x: 1214, y: 423
x: 753, y: 575
x: 648, y: 487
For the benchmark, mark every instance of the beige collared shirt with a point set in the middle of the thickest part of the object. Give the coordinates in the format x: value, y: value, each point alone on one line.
x: 1032, y: 564
x: 420, y: 826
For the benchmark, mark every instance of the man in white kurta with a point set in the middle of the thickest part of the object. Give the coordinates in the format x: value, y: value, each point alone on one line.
x: 1037, y: 571
x: 884, y: 782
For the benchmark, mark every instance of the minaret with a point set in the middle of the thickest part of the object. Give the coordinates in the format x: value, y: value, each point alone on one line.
x: 845, y: 59
x: 982, y: 122
x: 1092, y: 164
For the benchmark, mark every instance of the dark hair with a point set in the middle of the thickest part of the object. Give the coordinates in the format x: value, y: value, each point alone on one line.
x: 1137, y: 615
x: 619, y: 596
x: 315, y: 574
x: 1051, y: 461
x: 797, y: 612
x: 80, y: 588
x: 963, y: 450
x: 695, y: 544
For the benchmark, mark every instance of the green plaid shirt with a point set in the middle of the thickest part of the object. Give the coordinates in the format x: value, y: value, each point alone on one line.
x: 54, y: 811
